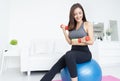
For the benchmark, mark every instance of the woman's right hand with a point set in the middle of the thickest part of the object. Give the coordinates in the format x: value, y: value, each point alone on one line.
x: 63, y: 26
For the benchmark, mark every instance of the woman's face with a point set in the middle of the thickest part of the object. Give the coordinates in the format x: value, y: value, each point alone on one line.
x: 78, y: 14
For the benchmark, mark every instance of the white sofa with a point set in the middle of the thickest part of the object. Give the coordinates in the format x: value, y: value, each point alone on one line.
x: 41, y: 54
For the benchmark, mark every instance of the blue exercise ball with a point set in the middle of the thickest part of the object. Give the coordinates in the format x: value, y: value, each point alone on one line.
x: 88, y: 71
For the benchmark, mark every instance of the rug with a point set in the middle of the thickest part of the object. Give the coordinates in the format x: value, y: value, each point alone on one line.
x: 110, y: 78
x: 104, y: 78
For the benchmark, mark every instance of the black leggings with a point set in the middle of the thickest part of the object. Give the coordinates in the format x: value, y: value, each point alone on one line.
x: 78, y: 54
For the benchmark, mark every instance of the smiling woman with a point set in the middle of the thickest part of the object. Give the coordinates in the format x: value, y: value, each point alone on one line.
x: 78, y: 28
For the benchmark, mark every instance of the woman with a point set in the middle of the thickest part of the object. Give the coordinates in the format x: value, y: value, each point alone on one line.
x: 78, y: 29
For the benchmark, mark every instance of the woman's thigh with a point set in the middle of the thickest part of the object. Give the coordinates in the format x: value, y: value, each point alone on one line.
x: 79, y: 56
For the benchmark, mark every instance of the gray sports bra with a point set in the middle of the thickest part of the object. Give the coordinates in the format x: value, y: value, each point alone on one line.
x: 78, y: 33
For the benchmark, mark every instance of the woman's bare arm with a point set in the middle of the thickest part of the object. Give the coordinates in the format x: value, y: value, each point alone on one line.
x: 66, y: 34
x: 89, y: 30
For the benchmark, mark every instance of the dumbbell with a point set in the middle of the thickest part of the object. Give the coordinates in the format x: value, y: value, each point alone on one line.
x: 66, y: 27
x: 87, y: 38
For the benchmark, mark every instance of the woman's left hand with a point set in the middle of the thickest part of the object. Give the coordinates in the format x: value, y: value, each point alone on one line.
x: 83, y: 40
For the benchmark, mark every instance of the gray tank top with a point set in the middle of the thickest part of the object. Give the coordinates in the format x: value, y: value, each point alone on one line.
x: 78, y: 33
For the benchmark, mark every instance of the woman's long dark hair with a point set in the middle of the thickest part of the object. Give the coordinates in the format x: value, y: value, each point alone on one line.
x: 72, y: 22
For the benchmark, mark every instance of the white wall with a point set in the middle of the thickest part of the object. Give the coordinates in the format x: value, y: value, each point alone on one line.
x: 28, y: 19
x: 37, y: 19
x: 4, y: 21
x: 41, y: 18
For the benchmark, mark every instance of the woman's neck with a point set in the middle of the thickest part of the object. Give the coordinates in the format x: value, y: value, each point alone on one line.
x: 79, y: 25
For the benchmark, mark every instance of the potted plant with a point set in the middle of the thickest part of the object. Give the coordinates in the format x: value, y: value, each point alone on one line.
x: 108, y: 33
x: 13, y: 42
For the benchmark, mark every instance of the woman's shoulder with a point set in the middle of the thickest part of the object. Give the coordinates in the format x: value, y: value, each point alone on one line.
x: 87, y: 23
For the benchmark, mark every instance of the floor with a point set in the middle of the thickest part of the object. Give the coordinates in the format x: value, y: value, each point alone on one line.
x: 14, y: 74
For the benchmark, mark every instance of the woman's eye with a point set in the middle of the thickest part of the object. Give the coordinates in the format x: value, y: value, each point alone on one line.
x: 75, y: 14
x: 79, y: 13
